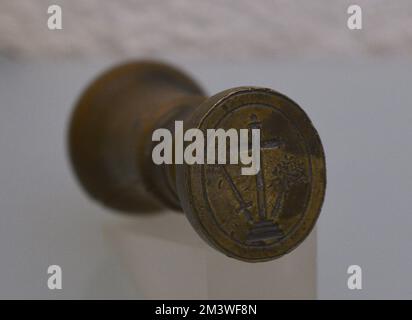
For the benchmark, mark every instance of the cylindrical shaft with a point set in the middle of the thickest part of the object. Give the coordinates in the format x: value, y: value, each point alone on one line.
x: 161, y: 179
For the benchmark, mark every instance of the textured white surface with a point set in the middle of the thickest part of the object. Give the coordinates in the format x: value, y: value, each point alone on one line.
x: 200, y: 29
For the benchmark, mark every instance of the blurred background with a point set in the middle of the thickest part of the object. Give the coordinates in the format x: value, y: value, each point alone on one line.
x: 354, y: 85
x: 212, y: 29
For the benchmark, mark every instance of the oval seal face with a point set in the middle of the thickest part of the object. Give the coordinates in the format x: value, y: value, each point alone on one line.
x: 264, y: 216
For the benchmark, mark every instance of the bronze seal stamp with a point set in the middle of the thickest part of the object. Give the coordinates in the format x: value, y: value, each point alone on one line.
x: 252, y: 218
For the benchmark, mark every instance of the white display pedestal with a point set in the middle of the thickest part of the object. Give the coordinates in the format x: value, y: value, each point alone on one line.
x: 168, y: 260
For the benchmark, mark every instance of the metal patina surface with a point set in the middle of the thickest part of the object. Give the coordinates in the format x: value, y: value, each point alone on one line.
x: 252, y: 218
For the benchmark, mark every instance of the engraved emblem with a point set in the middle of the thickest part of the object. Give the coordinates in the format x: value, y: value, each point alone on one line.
x: 258, y: 217
x: 287, y: 172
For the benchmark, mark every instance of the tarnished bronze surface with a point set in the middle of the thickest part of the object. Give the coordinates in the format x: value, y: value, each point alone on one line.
x: 251, y: 218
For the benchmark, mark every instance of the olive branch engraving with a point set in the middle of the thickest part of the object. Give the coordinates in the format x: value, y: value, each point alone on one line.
x: 288, y: 172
